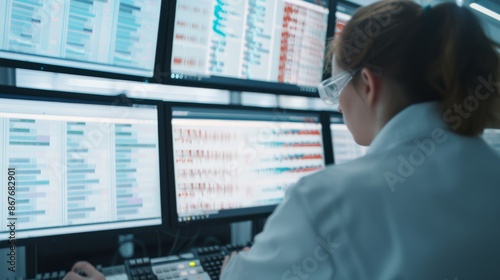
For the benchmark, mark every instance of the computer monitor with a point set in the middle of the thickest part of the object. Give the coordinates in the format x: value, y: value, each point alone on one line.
x: 345, y: 149
x: 235, y: 163
x: 94, y: 37
x: 492, y: 137
x: 79, y: 163
x: 249, y: 45
x: 344, y: 12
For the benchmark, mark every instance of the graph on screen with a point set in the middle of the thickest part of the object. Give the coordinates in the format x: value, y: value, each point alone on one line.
x: 268, y: 41
x: 117, y: 36
x: 345, y: 149
x: 228, y: 159
x: 80, y: 167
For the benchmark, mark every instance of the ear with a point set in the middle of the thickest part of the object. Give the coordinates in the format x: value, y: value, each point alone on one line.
x: 369, y: 86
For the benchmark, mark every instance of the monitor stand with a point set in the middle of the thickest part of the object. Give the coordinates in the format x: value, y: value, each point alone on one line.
x: 244, y: 232
x: 258, y: 226
x: 241, y: 233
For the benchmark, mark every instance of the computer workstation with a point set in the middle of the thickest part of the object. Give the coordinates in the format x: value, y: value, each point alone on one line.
x: 91, y: 165
x: 234, y: 163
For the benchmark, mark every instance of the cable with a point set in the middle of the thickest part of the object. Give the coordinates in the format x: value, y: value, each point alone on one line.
x: 177, y: 246
x: 114, y: 259
x: 141, y: 244
x: 172, y: 249
x: 191, y: 242
x: 176, y: 234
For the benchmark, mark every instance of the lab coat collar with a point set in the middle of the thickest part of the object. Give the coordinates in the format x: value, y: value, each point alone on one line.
x: 412, y: 122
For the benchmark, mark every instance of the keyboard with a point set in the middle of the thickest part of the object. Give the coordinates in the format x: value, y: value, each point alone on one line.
x: 212, y: 257
x: 140, y: 269
x: 166, y: 268
x: 202, y: 263
x: 117, y: 272
x: 182, y: 269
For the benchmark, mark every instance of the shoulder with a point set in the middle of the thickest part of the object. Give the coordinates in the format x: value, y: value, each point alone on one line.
x: 354, y: 176
x: 338, y: 188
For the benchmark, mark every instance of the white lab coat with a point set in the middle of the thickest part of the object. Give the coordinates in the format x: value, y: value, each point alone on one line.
x: 404, y: 211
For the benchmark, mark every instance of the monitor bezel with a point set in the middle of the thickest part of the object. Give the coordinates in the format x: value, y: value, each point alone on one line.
x: 174, y: 218
x: 348, y: 4
x: 157, y: 76
x: 92, y: 99
x: 235, y: 84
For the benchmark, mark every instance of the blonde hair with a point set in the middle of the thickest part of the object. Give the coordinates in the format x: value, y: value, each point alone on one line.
x: 434, y: 54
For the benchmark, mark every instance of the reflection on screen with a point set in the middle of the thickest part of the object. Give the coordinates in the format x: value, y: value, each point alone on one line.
x: 79, y: 167
x: 116, y: 36
x: 492, y: 137
x: 345, y: 149
x: 279, y: 41
x: 233, y: 160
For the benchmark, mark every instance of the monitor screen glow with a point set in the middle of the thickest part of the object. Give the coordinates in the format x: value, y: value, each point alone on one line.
x: 116, y: 36
x: 250, y: 43
x: 78, y: 168
x: 232, y: 163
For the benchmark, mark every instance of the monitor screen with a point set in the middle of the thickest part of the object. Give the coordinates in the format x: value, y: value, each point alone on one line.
x: 234, y: 163
x: 116, y: 36
x: 492, y: 137
x: 345, y: 149
x: 343, y: 14
x: 250, y: 45
x: 75, y: 168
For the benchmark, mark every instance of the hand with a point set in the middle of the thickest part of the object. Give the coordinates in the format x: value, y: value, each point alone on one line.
x: 228, y: 258
x: 87, y: 268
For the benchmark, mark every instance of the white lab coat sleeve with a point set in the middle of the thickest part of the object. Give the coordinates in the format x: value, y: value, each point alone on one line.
x: 288, y: 248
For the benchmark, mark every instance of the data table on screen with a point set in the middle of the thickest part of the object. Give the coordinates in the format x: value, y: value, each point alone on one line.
x: 87, y: 178
x: 273, y: 41
x: 31, y: 147
x: 80, y: 167
x: 136, y: 150
x: 232, y: 164
x: 117, y: 36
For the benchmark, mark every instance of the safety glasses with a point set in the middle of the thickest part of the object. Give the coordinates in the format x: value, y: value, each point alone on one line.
x: 331, y: 88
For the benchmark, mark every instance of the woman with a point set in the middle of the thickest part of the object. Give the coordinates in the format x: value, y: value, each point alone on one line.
x: 424, y: 203
x: 418, y: 86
